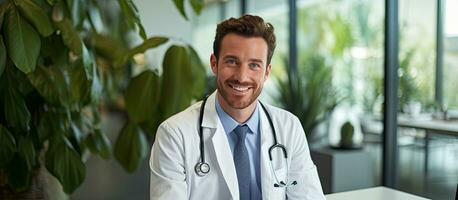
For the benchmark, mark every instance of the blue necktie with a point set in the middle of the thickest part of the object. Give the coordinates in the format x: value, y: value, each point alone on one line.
x: 242, y: 162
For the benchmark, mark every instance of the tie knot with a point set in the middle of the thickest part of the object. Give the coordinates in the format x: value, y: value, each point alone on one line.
x: 241, y: 132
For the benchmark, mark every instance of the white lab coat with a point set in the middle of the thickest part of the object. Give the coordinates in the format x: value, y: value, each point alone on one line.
x: 176, y: 152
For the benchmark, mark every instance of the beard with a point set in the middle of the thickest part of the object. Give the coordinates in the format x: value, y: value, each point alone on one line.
x: 238, y: 101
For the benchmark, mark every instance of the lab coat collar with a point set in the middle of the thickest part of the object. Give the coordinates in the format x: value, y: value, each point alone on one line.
x: 210, y: 118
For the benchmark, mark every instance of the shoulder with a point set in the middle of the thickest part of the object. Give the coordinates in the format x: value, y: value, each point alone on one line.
x: 185, y: 117
x: 181, y: 122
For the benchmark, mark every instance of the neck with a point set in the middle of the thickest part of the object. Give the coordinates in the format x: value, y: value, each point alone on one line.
x: 239, y: 115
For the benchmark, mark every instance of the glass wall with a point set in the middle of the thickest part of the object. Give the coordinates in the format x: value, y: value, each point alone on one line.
x: 451, y: 54
x: 428, y: 162
x: 417, y: 54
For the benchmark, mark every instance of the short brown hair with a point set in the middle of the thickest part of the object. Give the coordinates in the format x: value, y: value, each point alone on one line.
x: 248, y: 26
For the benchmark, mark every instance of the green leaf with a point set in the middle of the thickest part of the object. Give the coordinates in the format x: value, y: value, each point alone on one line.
x: 36, y: 15
x: 70, y: 36
x: 107, y: 47
x: 141, y: 31
x: 75, y: 136
x: 131, y: 147
x: 50, y: 124
x: 96, y: 87
x: 16, y: 113
x: 7, y: 146
x: 147, y: 44
x: 19, y: 175
x: 198, y: 73
x: 51, y: 2
x: 87, y: 62
x: 142, y: 96
x: 27, y: 151
x: 176, y: 78
x: 78, y: 11
x: 51, y: 84
x: 98, y: 143
x: 79, y: 86
x: 2, y: 12
x: 2, y: 56
x: 22, y: 42
x: 197, y: 6
x: 131, y: 12
x: 179, y: 4
x: 65, y: 164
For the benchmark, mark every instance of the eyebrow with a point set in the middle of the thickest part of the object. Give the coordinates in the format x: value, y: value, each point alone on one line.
x: 251, y: 59
x: 256, y: 60
x: 231, y: 56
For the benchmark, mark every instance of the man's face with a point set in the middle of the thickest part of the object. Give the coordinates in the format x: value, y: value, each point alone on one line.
x: 241, y: 69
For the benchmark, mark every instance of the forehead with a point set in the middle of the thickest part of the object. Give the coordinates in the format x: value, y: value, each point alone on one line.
x: 242, y: 46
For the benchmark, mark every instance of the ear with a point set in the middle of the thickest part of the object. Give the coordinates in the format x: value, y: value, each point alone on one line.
x: 268, y: 68
x: 214, y: 64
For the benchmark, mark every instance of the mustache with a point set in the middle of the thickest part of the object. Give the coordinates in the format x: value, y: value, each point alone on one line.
x: 237, y: 82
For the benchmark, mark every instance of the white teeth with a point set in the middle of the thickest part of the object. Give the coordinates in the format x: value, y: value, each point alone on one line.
x: 238, y: 88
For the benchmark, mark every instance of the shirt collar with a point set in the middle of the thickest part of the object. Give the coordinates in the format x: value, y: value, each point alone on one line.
x: 229, y: 124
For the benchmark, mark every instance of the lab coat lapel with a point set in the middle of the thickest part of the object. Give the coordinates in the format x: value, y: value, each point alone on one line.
x: 266, y: 142
x: 221, y: 146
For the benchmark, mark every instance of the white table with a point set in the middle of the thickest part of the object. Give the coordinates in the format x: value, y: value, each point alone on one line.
x: 431, y: 126
x: 375, y: 193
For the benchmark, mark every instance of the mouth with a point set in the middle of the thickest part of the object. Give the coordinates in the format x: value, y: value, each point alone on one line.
x: 239, y: 89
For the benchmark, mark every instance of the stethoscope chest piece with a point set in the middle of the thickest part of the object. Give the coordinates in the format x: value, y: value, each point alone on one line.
x: 202, y: 169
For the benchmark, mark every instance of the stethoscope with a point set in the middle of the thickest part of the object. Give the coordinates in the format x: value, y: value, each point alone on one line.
x: 202, y: 168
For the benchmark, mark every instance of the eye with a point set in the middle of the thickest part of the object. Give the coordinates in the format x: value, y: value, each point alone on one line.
x: 231, y: 61
x: 254, y: 65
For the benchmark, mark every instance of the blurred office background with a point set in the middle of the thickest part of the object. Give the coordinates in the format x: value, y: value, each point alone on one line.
x: 336, y: 53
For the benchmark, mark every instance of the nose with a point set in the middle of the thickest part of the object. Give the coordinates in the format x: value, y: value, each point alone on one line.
x: 243, y: 73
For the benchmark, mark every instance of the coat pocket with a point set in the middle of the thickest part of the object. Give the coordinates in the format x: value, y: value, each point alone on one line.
x: 278, y: 192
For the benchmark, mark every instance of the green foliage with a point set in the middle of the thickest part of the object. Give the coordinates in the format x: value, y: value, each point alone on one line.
x: 61, y: 64
x: 147, y: 44
x: 18, y: 174
x: 7, y: 146
x: 142, y: 96
x: 35, y: 15
x: 98, y: 143
x: 65, y: 163
x: 176, y: 59
x: 2, y: 56
x: 22, y: 41
x: 308, y: 93
x: 196, y: 5
x: 131, y: 147
x: 408, y: 89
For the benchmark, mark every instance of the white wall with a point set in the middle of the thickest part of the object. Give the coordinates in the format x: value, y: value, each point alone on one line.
x: 160, y: 17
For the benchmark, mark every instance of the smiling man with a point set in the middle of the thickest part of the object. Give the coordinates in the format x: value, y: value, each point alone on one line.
x: 230, y: 145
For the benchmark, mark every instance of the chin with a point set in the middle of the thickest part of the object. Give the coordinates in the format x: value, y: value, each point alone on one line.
x: 238, y: 102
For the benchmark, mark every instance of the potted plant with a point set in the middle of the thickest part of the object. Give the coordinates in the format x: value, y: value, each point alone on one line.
x: 62, y: 62
x: 308, y: 93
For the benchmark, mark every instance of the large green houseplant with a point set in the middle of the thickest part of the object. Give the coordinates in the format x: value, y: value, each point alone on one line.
x: 61, y: 63
x: 308, y: 93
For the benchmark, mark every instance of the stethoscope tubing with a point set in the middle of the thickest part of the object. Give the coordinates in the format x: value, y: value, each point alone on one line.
x: 199, y: 167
